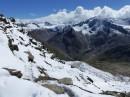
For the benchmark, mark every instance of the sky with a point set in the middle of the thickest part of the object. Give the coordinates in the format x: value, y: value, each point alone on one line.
x: 40, y: 8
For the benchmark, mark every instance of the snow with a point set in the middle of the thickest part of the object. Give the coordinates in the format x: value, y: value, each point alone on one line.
x: 11, y: 86
x: 32, y: 26
x: 85, y: 29
x: 84, y: 94
x: 3, y: 73
x: 14, y: 87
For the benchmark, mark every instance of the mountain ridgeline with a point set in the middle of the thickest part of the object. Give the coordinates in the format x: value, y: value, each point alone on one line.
x: 102, y: 42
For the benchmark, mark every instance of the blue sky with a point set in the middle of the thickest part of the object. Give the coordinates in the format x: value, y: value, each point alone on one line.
x: 39, y: 8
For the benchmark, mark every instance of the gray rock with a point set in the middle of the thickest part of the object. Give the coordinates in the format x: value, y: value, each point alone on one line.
x: 116, y: 94
x: 55, y: 88
x: 66, y: 81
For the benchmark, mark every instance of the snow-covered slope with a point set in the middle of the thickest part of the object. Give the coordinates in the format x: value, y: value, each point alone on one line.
x: 45, y: 76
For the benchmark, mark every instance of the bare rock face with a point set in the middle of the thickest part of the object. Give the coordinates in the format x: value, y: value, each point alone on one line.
x: 14, y: 72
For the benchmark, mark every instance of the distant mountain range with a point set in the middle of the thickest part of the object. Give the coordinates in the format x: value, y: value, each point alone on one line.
x: 102, y: 39
x: 46, y: 59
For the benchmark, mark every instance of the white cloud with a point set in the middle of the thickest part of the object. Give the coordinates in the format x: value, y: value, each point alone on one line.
x: 81, y: 14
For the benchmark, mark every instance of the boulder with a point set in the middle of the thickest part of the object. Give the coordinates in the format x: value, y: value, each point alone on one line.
x: 13, y: 47
x: 14, y: 72
x: 30, y: 56
x: 44, y: 78
x: 55, y: 88
x: 66, y: 81
x: 75, y: 65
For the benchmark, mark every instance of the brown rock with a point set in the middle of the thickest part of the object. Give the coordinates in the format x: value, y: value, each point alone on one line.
x: 14, y: 72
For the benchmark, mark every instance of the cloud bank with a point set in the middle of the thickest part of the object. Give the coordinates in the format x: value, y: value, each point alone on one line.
x: 81, y: 14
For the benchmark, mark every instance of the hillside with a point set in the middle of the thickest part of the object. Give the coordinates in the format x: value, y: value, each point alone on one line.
x: 27, y: 69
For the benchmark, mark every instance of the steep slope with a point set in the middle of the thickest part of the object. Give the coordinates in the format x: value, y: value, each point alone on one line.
x: 27, y: 69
